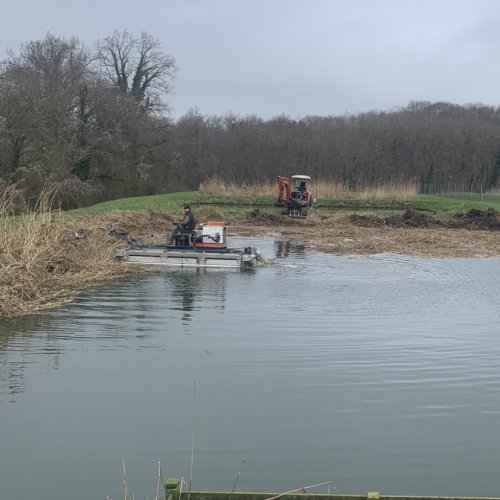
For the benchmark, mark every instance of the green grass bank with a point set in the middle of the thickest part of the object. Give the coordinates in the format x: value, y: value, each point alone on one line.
x: 438, y: 205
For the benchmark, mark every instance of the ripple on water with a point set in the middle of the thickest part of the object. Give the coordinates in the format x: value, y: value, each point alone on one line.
x: 383, y: 369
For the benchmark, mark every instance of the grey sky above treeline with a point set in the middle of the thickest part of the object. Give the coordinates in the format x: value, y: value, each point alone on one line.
x: 298, y: 57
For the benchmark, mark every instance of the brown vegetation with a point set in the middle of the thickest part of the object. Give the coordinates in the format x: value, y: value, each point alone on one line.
x: 413, y: 234
x: 396, y: 188
x: 217, y: 186
x: 42, y: 263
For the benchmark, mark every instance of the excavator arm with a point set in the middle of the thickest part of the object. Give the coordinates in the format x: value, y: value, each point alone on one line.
x: 284, y: 185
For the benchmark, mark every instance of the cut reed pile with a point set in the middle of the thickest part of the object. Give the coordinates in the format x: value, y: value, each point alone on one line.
x: 343, y: 238
x: 397, y: 188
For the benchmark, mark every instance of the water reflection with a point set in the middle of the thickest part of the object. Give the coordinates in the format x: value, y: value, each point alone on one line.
x: 111, y: 317
x: 287, y: 248
x: 20, y: 342
x: 191, y: 288
x: 383, y: 370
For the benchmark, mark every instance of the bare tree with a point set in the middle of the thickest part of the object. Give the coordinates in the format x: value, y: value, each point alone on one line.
x: 18, y: 119
x: 58, y: 61
x: 138, y: 66
x: 60, y: 120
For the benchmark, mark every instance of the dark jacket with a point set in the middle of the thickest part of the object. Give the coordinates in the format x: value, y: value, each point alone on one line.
x: 189, y: 221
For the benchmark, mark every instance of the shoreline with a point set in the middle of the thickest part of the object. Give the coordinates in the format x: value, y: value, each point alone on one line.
x: 339, y: 235
x: 417, y: 243
x: 53, y: 266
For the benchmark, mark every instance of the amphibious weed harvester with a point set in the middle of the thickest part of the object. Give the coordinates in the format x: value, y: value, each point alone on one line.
x: 205, y: 246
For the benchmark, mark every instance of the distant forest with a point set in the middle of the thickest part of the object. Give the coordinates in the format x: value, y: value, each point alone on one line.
x: 95, y: 121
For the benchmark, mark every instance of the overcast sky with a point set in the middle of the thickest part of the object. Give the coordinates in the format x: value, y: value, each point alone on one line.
x: 299, y: 57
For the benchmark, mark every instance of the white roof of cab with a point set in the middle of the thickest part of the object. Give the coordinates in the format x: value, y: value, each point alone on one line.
x: 301, y: 177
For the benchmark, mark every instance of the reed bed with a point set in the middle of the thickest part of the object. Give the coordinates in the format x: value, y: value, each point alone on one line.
x: 397, y: 188
x: 219, y: 187
x: 42, y: 263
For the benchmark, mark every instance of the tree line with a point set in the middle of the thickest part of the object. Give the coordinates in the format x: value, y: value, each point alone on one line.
x: 95, y: 120
x: 92, y: 119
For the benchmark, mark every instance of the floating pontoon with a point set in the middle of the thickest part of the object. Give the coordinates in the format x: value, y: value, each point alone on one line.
x: 202, y: 247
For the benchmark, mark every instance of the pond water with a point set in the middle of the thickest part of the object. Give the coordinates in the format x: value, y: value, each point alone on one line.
x: 379, y: 373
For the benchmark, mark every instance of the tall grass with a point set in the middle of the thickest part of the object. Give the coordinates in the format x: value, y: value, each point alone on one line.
x: 397, y: 188
x: 219, y: 187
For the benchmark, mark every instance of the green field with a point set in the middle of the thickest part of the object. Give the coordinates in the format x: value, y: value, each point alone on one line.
x: 443, y: 206
x: 446, y: 206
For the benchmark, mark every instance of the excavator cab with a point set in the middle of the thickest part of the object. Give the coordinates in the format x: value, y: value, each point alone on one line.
x: 294, y: 202
x: 301, y: 191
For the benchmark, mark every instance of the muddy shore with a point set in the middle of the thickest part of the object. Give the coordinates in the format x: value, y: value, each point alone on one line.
x: 471, y: 235
x: 55, y: 265
x: 475, y: 234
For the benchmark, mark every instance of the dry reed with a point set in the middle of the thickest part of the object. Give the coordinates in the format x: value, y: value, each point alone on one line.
x: 41, y: 261
x: 397, y: 188
x: 217, y: 186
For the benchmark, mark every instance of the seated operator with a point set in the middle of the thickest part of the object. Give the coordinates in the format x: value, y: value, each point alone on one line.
x: 186, y: 225
x: 189, y: 221
x: 301, y: 190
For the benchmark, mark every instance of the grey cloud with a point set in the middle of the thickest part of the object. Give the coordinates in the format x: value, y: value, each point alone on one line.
x: 296, y: 57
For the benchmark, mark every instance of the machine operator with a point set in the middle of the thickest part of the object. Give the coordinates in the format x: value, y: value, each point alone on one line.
x: 186, y: 225
x: 189, y: 221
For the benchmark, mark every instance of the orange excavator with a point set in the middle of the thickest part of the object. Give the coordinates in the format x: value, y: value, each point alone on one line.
x: 294, y: 202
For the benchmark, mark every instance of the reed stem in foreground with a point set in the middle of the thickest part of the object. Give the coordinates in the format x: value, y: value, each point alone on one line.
x: 239, y: 473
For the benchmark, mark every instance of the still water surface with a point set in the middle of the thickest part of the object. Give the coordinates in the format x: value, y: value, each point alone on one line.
x: 381, y: 374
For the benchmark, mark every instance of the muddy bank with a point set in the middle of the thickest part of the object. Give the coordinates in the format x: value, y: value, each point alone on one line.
x: 466, y: 235
x: 43, y: 264
x: 474, y: 219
